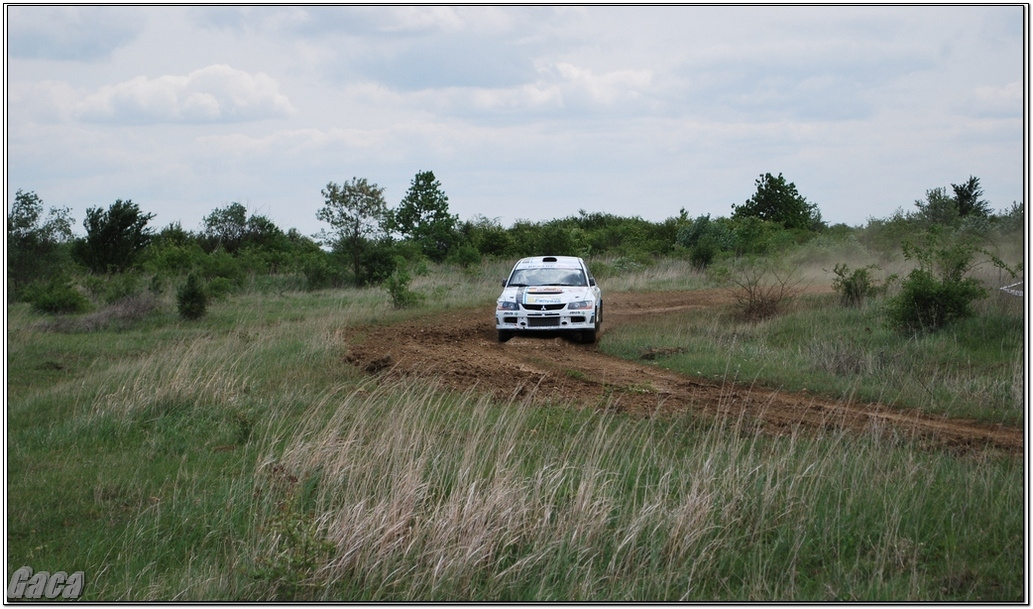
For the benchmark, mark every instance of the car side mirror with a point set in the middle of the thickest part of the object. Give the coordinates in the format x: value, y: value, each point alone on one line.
x: 504, y: 283
x: 591, y: 281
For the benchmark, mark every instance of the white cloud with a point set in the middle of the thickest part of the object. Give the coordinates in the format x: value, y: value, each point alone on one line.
x: 216, y: 93
x: 605, y: 88
x: 1003, y: 101
x: 532, y: 97
x: 295, y: 143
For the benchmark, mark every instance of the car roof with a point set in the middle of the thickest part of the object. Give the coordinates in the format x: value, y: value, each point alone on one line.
x: 559, y: 261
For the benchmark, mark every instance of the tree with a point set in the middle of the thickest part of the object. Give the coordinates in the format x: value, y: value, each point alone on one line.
x: 966, y: 195
x: 937, y: 208
x: 34, y: 243
x: 487, y: 235
x: 225, y: 227
x: 357, y: 211
x: 231, y: 229
x: 114, y: 238
x: 778, y: 201
x: 423, y: 217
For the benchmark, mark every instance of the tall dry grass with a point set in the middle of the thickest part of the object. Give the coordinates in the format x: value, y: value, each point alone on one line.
x: 403, y: 493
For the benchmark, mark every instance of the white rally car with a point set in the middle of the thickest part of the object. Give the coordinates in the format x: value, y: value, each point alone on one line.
x: 550, y: 293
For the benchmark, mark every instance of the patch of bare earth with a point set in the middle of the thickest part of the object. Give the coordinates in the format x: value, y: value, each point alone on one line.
x: 461, y: 350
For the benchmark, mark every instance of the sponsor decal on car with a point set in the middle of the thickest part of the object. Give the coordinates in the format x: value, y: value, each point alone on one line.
x: 545, y: 289
x: 542, y: 295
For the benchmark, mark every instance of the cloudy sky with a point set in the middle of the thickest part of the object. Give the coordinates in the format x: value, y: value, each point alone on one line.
x: 521, y: 112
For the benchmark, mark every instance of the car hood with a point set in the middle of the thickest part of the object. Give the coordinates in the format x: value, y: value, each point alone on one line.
x: 546, y: 295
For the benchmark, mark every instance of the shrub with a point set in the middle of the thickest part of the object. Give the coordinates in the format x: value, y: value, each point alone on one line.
x: 854, y: 287
x: 192, y: 299
x: 755, y: 237
x: 56, y: 296
x: 117, y: 316
x: 172, y: 258
x: 493, y: 240
x: 220, y: 264
x: 558, y: 239
x: 121, y: 286
x: 465, y: 256
x: 762, y: 289
x: 703, y: 253
x: 398, y: 286
x: 320, y: 274
x: 926, y: 303
x: 378, y: 263
x: 218, y: 288
x: 718, y: 232
x: 37, y: 245
x: 929, y: 301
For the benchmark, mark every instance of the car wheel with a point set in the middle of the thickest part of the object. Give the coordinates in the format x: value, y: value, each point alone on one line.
x: 588, y: 336
x: 505, y: 335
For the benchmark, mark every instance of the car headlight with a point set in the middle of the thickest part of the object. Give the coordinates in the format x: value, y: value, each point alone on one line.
x: 580, y: 305
x: 508, y: 305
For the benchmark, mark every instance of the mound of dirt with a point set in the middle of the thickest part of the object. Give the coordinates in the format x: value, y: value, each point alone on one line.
x: 461, y: 351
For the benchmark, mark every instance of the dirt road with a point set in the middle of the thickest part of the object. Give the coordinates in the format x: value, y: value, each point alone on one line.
x: 461, y: 349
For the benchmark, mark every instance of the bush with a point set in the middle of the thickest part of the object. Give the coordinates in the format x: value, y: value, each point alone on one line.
x: 378, y: 263
x: 192, y: 299
x: 929, y: 301
x: 926, y: 303
x: 56, y: 296
x: 756, y: 237
x: 120, y: 287
x: 465, y: 256
x: 320, y: 274
x: 855, y: 287
x: 761, y: 288
x: 557, y: 239
x: 703, y: 253
x: 117, y: 316
x: 398, y: 286
x: 717, y: 232
x: 172, y: 258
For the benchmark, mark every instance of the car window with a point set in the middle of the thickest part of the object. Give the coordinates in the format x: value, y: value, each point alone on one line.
x: 542, y: 277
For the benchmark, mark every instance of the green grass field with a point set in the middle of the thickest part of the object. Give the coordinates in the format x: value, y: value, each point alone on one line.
x: 241, y: 458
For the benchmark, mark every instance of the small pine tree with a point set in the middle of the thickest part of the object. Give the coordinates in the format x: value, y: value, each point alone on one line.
x: 192, y: 299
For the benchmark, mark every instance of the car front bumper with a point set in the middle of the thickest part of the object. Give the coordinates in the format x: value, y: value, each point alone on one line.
x: 525, y: 321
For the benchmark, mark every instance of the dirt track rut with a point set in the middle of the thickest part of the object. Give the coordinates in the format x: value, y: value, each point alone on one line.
x: 461, y: 350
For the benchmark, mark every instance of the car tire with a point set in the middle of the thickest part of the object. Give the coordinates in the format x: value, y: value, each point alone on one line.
x: 588, y: 337
x: 505, y: 335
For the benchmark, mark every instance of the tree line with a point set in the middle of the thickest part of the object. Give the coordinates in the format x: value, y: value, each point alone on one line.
x: 366, y: 242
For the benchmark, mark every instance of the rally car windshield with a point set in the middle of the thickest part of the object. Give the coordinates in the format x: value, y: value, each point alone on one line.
x: 540, y: 277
